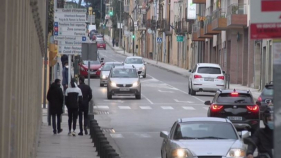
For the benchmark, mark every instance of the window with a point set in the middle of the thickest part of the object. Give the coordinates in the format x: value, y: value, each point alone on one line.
x: 205, y: 130
x: 209, y: 70
x: 107, y: 67
x: 134, y: 61
x: 268, y: 91
x: 229, y: 98
x: 124, y: 73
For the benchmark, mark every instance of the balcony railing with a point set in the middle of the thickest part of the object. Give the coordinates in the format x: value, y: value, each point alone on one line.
x: 194, y: 28
x: 219, y: 21
x: 208, y: 11
x: 237, y: 15
x: 218, y: 14
x: 126, y: 8
x: 237, y: 9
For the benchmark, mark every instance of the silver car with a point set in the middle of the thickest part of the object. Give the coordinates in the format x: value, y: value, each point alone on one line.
x: 105, y: 71
x: 123, y: 81
x: 138, y: 63
x: 203, y: 137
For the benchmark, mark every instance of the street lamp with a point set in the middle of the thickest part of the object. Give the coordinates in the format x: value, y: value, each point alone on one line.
x: 133, y: 34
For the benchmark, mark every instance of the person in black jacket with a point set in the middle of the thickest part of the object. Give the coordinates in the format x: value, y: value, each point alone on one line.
x: 84, y: 108
x: 55, y: 98
x: 263, y: 137
x: 73, y: 99
x: 64, y: 59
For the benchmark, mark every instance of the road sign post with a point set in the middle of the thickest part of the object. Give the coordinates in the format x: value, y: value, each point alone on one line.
x: 89, y: 52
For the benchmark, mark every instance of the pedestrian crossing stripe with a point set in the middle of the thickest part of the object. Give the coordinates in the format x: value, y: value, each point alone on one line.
x: 167, y: 107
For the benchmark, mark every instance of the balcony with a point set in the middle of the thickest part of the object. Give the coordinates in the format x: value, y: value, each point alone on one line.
x: 178, y: 27
x: 127, y: 9
x: 219, y: 21
x: 194, y: 33
x: 237, y: 16
x: 199, y: 1
x: 162, y: 25
x: 200, y: 31
x: 208, y: 30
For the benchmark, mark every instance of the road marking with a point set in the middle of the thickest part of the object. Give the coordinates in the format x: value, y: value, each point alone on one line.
x: 206, y: 108
x: 116, y: 135
x: 188, y: 108
x: 165, y: 91
x: 167, y: 107
x: 101, y: 107
x: 147, y: 99
x: 119, y: 101
x: 190, y: 102
x: 145, y: 107
x: 124, y: 107
x: 143, y: 135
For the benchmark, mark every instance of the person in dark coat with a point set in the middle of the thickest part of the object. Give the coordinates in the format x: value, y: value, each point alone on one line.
x: 64, y: 59
x: 55, y: 98
x: 73, y: 100
x: 84, y: 108
x: 113, y: 42
x: 65, y: 76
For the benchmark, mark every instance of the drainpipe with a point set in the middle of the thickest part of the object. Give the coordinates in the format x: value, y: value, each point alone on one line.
x: 164, y: 34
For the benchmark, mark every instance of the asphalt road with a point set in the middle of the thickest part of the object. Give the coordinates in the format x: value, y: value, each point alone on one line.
x: 134, y: 126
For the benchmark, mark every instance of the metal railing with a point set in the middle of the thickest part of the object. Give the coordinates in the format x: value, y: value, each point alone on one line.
x: 208, y: 20
x: 218, y: 14
x: 237, y: 8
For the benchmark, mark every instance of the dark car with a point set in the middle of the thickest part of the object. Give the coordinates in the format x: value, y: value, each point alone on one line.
x: 266, y: 96
x: 238, y: 106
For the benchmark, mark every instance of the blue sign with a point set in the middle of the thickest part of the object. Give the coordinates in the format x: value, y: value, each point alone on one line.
x: 55, y: 33
x: 159, y: 40
x: 56, y: 24
x: 84, y: 38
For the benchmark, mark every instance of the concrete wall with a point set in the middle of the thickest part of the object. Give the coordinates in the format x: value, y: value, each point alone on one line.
x: 20, y: 81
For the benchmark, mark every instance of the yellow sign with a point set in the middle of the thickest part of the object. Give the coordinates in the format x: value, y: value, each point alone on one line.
x: 201, y: 18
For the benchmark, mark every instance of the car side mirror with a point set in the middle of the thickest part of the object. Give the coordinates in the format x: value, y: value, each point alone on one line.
x: 164, y: 134
x: 223, y: 72
x: 189, y: 70
x: 245, y: 134
x: 207, y: 102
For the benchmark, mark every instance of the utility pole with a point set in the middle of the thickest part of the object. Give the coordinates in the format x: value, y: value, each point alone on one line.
x: 101, y: 12
x: 133, y: 35
x: 120, y: 42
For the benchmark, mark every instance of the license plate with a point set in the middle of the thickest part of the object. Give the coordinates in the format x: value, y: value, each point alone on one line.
x: 124, y: 89
x: 208, y: 79
x: 235, y: 118
x: 92, y: 73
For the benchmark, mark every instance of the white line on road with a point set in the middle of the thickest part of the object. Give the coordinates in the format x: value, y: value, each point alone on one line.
x: 143, y: 135
x: 101, y: 107
x: 124, y: 107
x: 167, y: 107
x: 165, y: 91
x: 116, y: 135
x: 188, y: 108
x: 147, y: 99
x: 190, y: 102
x: 145, y: 107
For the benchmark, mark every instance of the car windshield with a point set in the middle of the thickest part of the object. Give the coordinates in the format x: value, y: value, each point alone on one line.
x: 209, y: 70
x: 268, y: 91
x: 124, y: 73
x: 107, y: 67
x: 85, y: 62
x: 100, y: 42
x: 234, y: 98
x: 205, y: 130
x: 134, y: 61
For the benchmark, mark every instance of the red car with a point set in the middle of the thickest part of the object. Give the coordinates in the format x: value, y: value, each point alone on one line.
x: 95, y: 67
x: 101, y: 44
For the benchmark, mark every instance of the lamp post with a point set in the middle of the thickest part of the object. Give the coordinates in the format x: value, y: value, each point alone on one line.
x: 120, y: 20
x: 133, y: 35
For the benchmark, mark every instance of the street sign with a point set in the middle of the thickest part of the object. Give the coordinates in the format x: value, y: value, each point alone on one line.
x: 68, y: 24
x: 70, y: 17
x: 159, y: 39
x: 179, y: 38
x: 71, y: 38
x: 71, y: 43
x: 68, y: 33
x: 89, y: 51
x: 69, y: 49
x: 265, y: 19
x: 71, y: 10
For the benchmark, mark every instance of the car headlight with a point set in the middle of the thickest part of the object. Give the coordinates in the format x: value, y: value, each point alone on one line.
x: 236, y: 153
x: 180, y: 153
x: 135, y: 84
x: 103, y: 77
x: 113, y: 84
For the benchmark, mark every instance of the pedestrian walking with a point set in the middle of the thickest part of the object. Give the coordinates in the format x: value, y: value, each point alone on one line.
x: 55, y: 98
x: 84, y: 108
x: 64, y: 59
x: 65, y: 76
x: 73, y: 99
x: 113, y: 42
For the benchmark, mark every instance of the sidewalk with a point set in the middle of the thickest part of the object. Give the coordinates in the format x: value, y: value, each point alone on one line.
x: 61, y: 145
x: 175, y: 69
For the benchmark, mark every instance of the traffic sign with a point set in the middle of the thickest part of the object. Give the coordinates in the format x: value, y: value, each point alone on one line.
x: 70, y: 49
x: 159, y: 39
x: 70, y: 17
x: 71, y: 38
x: 71, y: 33
x: 69, y: 43
x: 70, y: 10
x: 266, y: 23
x: 69, y: 24
x: 179, y: 38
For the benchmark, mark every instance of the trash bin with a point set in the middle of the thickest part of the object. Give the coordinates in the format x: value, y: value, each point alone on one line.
x: 150, y: 55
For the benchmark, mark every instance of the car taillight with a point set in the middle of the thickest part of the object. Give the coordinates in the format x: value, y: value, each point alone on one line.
x: 260, y: 99
x: 234, y: 94
x: 254, y: 108
x: 197, y: 76
x: 215, y: 107
x: 220, y: 77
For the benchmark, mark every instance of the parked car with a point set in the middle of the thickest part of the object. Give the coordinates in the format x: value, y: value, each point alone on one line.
x: 95, y: 67
x: 101, y: 44
x: 206, y: 77
x: 203, y: 137
x: 238, y: 106
x: 99, y: 38
x: 266, y: 96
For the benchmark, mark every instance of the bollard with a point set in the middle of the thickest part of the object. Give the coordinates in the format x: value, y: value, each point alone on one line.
x: 92, y: 129
x: 95, y: 139
x: 108, y: 151
x: 113, y: 155
x: 95, y: 132
x: 103, y: 144
x: 106, y: 148
x: 100, y: 139
x: 90, y: 118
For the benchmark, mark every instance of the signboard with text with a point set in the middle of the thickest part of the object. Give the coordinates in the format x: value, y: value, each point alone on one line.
x: 265, y: 19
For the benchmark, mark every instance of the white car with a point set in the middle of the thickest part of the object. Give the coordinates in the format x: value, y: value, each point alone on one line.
x: 206, y: 77
x: 138, y: 63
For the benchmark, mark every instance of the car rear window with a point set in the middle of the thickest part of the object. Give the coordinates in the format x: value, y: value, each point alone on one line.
x: 107, y: 67
x: 234, y: 98
x: 124, y: 73
x: 205, y: 130
x: 267, y: 91
x: 209, y: 70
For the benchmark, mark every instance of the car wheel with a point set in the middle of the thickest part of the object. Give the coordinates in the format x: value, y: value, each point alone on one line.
x: 101, y: 85
x: 192, y: 92
x: 109, y: 95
